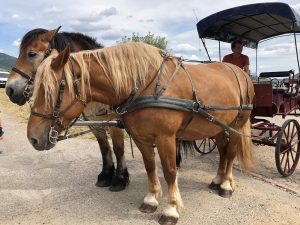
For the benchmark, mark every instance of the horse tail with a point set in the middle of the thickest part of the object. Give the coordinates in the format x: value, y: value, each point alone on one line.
x: 245, y: 154
x: 183, y: 146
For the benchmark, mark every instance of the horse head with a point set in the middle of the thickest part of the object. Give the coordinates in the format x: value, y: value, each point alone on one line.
x: 34, y: 48
x: 55, y: 94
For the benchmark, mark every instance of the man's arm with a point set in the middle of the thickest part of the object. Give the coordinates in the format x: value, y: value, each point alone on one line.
x: 246, y: 67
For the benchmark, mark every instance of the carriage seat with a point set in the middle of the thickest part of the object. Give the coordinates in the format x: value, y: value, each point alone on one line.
x: 277, y: 74
x: 283, y: 86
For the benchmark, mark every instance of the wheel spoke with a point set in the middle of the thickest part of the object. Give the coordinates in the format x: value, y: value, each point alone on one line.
x: 292, y: 156
x: 204, y: 145
x: 286, y: 163
x: 293, y: 132
x: 208, y: 144
x: 288, y: 132
x: 201, y: 143
x: 285, y: 138
x: 284, y: 151
x: 282, y: 158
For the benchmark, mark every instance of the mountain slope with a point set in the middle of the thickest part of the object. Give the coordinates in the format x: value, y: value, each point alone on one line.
x: 7, y: 61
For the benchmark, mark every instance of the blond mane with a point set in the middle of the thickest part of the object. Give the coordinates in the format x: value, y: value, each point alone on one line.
x: 123, y: 64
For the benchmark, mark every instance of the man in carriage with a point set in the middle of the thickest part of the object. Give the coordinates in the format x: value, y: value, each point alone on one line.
x: 237, y: 58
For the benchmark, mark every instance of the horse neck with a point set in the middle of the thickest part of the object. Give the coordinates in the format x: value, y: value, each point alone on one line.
x: 101, y: 87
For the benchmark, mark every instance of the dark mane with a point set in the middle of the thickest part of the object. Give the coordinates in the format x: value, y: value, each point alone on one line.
x: 61, y: 40
x: 30, y: 36
x: 86, y: 42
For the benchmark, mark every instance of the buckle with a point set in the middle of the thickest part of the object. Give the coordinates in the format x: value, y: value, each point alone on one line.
x: 196, y: 106
x: 55, y: 114
x: 120, y: 111
x: 53, y: 135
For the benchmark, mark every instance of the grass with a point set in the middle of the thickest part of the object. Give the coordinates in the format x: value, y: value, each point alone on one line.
x: 21, y: 112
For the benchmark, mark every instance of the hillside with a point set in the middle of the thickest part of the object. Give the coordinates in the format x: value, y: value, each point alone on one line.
x: 6, y: 61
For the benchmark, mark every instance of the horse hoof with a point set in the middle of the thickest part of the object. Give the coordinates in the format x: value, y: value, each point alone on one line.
x: 117, y: 188
x: 103, y: 183
x: 225, y: 193
x: 145, y: 208
x: 167, y: 220
x: 119, y: 181
x: 214, y: 186
x: 105, y: 178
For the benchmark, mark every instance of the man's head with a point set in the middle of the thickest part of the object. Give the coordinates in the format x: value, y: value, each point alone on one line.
x: 237, y: 46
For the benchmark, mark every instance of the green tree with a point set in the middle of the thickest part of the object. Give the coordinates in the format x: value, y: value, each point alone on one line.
x: 151, y: 39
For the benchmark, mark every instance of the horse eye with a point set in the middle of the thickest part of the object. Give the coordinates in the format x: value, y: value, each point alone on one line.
x: 32, y: 54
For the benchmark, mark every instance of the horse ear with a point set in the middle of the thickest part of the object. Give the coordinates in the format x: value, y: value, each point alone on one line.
x: 49, y: 35
x: 61, y: 59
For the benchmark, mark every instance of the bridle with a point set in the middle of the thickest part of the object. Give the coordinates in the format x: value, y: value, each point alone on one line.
x: 28, y: 91
x: 57, y: 114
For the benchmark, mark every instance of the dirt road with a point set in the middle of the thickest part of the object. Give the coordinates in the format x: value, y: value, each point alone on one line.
x: 57, y: 187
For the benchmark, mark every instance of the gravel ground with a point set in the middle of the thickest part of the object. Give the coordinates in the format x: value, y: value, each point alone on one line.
x: 57, y: 187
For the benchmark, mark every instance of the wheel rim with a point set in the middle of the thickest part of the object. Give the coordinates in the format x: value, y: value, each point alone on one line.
x: 205, y: 146
x: 288, y: 148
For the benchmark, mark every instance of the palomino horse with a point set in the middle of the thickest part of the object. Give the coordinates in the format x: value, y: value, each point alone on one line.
x: 35, y: 46
x: 159, y: 100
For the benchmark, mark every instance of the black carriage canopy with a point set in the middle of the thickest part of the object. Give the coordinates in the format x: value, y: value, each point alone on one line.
x: 250, y: 23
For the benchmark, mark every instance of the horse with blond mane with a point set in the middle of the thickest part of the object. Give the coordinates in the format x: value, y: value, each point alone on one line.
x: 159, y: 99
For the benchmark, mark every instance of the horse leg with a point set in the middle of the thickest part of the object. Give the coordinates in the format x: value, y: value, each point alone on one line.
x: 108, y: 168
x: 121, y: 178
x: 150, y: 202
x: 167, y: 152
x: 221, y: 141
x: 227, y: 187
x: 239, y: 146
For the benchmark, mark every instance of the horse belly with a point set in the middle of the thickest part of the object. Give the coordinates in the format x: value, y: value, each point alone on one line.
x: 201, y: 128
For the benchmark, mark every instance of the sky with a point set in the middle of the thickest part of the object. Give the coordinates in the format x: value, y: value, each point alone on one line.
x: 109, y: 21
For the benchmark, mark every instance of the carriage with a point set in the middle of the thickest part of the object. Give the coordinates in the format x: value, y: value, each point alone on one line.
x: 277, y: 93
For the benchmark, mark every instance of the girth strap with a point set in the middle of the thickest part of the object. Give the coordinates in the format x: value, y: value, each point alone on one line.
x: 186, y: 105
x: 178, y: 104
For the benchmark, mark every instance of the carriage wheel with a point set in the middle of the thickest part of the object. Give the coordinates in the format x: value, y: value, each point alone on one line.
x: 205, y: 146
x: 287, y: 149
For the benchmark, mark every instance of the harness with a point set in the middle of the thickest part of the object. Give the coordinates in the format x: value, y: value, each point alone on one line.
x: 27, y: 93
x: 56, y: 114
x: 135, y: 102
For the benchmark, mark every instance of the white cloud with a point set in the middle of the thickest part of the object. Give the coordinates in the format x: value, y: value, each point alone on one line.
x: 17, y: 42
x: 90, y: 27
x: 97, y: 16
x: 53, y: 9
x: 109, y: 12
x: 15, y: 16
x: 183, y: 48
x: 112, y: 35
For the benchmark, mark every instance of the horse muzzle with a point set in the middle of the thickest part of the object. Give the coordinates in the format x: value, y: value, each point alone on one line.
x: 41, y: 143
x: 15, y: 93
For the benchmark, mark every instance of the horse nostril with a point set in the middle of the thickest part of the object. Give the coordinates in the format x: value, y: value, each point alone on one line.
x: 33, y: 141
x: 9, y: 91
